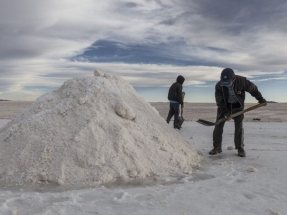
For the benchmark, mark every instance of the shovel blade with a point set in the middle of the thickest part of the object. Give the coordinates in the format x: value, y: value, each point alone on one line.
x: 206, y: 123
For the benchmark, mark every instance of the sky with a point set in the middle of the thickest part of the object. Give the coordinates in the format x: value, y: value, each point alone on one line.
x: 146, y: 42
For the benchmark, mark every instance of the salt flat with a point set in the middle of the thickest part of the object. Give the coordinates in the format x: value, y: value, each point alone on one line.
x: 10, y: 109
x: 224, y: 184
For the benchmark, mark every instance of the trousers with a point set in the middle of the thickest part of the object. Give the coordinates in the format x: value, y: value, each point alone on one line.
x: 238, y: 133
x: 173, y: 111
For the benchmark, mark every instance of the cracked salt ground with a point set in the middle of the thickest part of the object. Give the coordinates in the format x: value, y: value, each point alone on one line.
x: 231, y: 188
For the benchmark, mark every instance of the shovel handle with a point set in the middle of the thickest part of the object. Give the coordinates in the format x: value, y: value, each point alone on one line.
x: 242, y: 112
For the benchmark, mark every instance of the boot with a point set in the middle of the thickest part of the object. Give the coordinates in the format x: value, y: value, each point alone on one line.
x: 214, y: 151
x: 241, y: 152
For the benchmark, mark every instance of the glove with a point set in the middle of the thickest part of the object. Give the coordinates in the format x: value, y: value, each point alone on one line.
x: 227, y: 116
x: 261, y: 100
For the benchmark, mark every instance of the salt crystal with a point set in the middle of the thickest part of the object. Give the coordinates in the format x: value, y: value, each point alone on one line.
x: 97, y: 73
x: 251, y: 169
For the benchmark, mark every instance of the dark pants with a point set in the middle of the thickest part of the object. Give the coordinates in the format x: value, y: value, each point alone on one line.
x: 173, y: 110
x: 238, y: 134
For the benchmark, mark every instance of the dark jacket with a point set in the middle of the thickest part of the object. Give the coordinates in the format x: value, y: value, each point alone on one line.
x: 239, y: 86
x: 175, y: 90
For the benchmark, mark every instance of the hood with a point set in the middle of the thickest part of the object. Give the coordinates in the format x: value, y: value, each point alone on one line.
x: 180, y: 79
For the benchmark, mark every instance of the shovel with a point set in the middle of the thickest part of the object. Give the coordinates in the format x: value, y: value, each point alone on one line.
x: 207, y: 123
x: 180, y: 119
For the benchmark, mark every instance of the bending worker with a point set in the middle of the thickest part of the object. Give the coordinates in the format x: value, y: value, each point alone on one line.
x: 230, y: 96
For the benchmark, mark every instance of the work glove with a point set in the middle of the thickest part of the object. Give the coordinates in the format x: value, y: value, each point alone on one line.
x: 227, y: 116
x: 261, y: 100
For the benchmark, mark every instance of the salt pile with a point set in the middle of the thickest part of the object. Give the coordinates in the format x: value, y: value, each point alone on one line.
x: 90, y: 131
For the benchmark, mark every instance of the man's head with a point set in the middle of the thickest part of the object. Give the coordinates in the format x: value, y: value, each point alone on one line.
x: 180, y: 79
x: 227, y: 77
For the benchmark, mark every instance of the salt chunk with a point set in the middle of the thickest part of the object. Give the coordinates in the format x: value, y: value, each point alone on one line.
x: 162, y: 148
x: 133, y: 173
x: 97, y: 73
x: 62, y: 111
x: 82, y: 100
x: 107, y: 76
x: 189, y: 172
x: 251, y: 169
x: 125, y: 111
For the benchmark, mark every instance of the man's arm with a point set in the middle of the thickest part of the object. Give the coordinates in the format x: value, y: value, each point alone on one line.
x: 253, y: 90
x: 179, y: 91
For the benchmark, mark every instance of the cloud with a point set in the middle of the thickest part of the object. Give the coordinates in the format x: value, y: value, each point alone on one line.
x: 45, y: 43
x: 269, y: 79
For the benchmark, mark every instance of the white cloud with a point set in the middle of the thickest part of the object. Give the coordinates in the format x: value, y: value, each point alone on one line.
x: 270, y: 79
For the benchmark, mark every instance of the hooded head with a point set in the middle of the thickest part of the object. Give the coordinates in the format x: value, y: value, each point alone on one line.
x: 226, y: 77
x: 180, y: 79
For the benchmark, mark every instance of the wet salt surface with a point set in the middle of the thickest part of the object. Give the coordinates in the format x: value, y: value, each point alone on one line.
x: 120, y: 184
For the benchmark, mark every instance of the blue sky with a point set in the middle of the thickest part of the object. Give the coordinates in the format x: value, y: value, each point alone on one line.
x: 146, y: 42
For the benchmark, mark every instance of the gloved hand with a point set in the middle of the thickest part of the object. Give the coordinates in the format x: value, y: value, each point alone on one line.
x: 227, y: 116
x: 261, y: 100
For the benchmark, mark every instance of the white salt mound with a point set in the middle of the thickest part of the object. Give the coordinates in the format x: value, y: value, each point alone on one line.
x: 90, y: 131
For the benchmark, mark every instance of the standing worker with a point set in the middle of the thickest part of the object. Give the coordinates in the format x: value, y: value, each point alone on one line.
x: 230, y: 96
x: 175, y: 99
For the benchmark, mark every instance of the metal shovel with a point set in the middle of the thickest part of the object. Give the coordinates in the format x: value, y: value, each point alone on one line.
x: 207, y: 123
